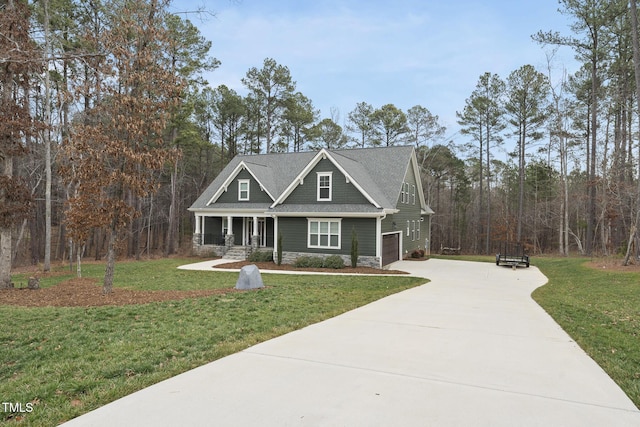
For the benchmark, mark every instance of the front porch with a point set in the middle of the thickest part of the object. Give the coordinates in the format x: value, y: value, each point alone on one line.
x: 235, y: 235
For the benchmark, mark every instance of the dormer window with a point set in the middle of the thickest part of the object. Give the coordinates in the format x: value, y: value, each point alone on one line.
x: 243, y: 190
x: 324, y: 186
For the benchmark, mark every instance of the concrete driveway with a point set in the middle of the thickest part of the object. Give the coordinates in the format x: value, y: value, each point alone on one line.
x: 470, y: 348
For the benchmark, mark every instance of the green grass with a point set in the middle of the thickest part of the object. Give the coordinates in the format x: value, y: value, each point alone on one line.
x: 160, y: 274
x: 600, y: 309
x: 68, y: 361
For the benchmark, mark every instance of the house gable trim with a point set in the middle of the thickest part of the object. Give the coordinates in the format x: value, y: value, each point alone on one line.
x: 299, y: 180
x: 225, y: 185
x: 413, y: 165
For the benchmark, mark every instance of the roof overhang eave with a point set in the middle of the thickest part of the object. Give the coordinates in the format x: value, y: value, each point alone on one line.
x: 329, y: 214
x: 210, y: 211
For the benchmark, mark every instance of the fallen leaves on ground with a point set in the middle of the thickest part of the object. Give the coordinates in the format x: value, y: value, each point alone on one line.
x: 86, y: 292
x: 273, y: 266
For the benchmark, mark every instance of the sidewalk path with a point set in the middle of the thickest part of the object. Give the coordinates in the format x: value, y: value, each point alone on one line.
x: 470, y: 348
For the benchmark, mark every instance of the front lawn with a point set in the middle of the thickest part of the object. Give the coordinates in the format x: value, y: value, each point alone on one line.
x: 65, y: 361
x: 600, y: 309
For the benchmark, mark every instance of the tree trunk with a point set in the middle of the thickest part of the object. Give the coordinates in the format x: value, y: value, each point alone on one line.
x: 520, y: 182
x: 79, y: 255
x: 592, y: 155
x: 565, y: 195
x: 47, y: 141
x: 19, y: 240
x: 488, y: 173
x: 480, y: 195
x: 107, y: 286
x: 171, y: 228
x: 5, y: 236
x: 636, y: 63
x: 150, y: 218
x: 6, y: 170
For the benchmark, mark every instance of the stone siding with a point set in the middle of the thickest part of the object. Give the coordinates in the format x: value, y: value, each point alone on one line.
x: 208, y: 251
x: 363, y: 261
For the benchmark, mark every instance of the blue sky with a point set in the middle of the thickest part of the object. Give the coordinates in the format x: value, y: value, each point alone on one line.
x: 403, y: 52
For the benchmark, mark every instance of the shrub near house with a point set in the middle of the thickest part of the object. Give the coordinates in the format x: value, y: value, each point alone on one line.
x: 316, y: 202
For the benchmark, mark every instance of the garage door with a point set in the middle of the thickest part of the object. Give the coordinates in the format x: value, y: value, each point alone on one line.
x: 390, y: 248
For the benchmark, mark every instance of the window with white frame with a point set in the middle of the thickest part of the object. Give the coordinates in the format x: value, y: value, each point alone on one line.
x: 413, y: 193
x: 406, y: 190
x: 419, y: 226
x: 402, y: 196
x: 408, y: 228
x: 243, y: 189
x: 324, y: 186
x: 413, y: 230
x: 324, y: 233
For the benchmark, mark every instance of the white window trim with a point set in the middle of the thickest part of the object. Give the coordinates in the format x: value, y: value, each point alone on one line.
x: 329, y: 220
x: 413, y: 193
x: 323, y: 174
x: 413, y: 230
x: 419, y: 225
x: 240, y: 182
x: 408, y: 228
x: 402, y: 194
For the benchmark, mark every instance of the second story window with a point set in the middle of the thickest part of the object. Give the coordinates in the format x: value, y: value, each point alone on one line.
x: 243, y: 189
x: 324, y: 186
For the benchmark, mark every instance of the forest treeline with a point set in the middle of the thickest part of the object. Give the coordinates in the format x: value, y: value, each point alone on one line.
x: 108, y: 133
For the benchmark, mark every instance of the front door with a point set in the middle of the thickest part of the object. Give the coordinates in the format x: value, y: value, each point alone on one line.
x: 248, y: 232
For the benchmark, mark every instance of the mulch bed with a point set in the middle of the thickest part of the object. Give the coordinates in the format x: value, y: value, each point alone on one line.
x: 85, y: 292
x: 614, y: 264
x: 274, y: 266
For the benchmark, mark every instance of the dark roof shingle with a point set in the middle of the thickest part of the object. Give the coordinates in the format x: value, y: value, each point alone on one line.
x: 379, y: 171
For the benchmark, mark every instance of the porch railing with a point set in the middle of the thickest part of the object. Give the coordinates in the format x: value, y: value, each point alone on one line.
x: 213, y: 239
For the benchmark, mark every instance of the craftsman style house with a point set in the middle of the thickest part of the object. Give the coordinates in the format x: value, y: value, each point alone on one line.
x: 316, y: 201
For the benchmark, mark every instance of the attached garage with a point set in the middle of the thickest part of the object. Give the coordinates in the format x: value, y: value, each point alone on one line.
x: 390, y: 248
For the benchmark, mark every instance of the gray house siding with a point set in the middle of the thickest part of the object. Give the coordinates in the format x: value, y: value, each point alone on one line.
x: 294, y: 236
x: 341, y: 191
x: 255, y: 194
x: 411, y: 212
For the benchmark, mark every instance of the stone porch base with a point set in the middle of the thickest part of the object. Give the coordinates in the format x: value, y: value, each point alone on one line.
x: 363, y: 261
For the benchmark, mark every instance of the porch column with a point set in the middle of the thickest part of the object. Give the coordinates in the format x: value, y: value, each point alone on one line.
x: 229, y: 238
x: 197, y: 234
x: 198, y: 221
x: 379, y: 239
x: 275, y: 238
x: 255, y: 238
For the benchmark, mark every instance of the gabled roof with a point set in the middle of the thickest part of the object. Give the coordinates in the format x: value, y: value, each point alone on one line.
x: 378, y: 173
x: 346, y: 171
x: 272, y: 171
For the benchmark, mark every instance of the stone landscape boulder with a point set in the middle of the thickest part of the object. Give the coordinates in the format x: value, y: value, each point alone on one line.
x: 249, y: 278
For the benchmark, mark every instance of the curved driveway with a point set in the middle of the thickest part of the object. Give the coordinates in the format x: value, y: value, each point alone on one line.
x: 470, y: 348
